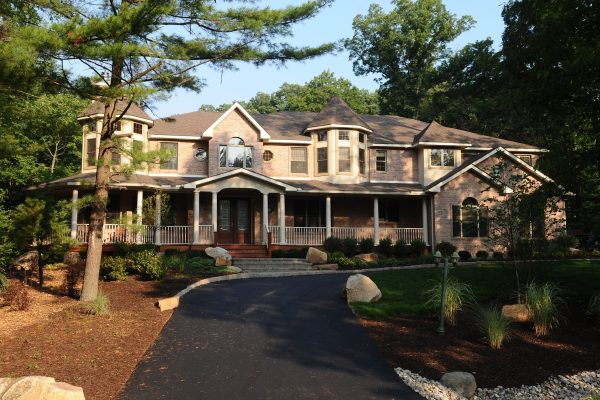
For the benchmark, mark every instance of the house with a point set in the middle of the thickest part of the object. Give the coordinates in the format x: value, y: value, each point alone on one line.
x: 296, y: 178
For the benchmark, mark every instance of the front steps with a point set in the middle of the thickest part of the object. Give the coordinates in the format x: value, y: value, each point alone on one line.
x: 246, y: 250
x: 271, y: 264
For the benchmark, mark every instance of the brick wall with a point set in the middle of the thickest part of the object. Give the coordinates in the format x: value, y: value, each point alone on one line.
x: 402, y: 165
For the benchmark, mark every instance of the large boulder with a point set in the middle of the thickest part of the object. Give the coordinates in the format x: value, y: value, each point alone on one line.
x: 572, y: 251
x: 316, y: 256
x: 219, y: 253
x: 516, y: 312
x: 463, y: 383
x: 368, y: 257
x: 28, y: 261
x: 361, y: 288
x: 38, y: 388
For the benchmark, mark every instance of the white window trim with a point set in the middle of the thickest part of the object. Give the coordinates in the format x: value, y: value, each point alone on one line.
x: 385, y: 161
x: 455, y: 158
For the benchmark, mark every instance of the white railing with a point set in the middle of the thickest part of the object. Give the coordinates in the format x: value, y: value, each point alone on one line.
x: 407, y: 235
x: 316, y: 236
x: 119, y: 233
x: 176, y: 234
x: 206, y: 234
x: 82, y: 233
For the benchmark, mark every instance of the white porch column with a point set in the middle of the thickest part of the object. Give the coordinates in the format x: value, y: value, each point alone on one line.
x: 196, y: 217
x: 328, y: 216
x: 214, y: 216
x: 282, y: 218
x: 425, y: 227
x: 265, y: 218
x: 74, y: 211
x: 376, y: 220
x: 157, y: 222
x: 138, y: 211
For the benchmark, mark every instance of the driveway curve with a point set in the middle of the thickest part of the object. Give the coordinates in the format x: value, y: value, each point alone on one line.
x: 277, y: 338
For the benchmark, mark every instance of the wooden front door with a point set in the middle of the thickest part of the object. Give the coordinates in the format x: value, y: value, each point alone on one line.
x: 234, y: 221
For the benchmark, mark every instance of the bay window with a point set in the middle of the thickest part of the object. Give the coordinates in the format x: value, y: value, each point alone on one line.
x: 322, y: 161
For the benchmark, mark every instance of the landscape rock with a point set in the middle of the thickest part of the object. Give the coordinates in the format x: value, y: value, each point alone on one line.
x: 361, y: 288
x: 38, y: 388
x: 516, y: 312
x: 235, y: 269
x: 462, y: 383
x: 169, y: 303
x: 28, y: 261
x: 327, y: 267
x: 368, y: 257
x: 572, y: 251
x: 223, y: 261
x: 218, y: 252
x: 316, y: 256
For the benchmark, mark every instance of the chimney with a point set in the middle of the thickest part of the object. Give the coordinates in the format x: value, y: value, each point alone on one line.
x: 105, y: 81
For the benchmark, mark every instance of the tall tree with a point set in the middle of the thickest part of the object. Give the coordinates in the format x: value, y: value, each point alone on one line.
x: 402, y: 48
x: 551, y: 56
x: 150, y: 47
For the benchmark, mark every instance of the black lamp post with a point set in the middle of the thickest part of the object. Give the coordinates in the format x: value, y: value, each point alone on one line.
x: 438, y: 257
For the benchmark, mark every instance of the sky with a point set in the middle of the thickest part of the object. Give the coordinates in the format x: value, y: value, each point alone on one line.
x: 330, y: 25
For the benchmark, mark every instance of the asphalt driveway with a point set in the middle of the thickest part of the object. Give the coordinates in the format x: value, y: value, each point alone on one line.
x: 284, y: 338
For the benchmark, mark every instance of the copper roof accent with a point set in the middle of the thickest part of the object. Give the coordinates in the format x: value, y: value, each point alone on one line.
x: 98, y: 108
x: 188, y: 124
x: 338, y: 112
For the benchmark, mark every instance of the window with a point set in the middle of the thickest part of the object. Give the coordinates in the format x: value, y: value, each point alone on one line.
x: 380, y: 160
x: 267, y: 155
x: 322, y: 136
x: 91, y: 126
x: 344, y: 159
x: 116, y: 157
x: 299, y: 162
x: 526, y: 158
x: 90, y: 150
x: 137, y: 128
x: 309, y: 213
x: 117, y: 126
x: 361, y: 137
x: 322, y: 160
x: 170, y: 164
x: 442, y: 158
x: 344, y: 135
x: 389, y: 211
x: 235, y: 154
x: 470, y: 219
x: 361, y: 161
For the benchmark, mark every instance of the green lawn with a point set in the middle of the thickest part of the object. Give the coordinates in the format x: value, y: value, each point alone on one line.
x: 403, y: 290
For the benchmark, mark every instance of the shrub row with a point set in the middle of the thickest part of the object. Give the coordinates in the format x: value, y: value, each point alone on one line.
x: 350, y: 247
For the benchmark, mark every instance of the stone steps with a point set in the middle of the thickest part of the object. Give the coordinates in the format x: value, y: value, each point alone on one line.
x: 272, y: 264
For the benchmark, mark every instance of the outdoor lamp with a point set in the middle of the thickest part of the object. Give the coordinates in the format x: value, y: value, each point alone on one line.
x: 455, y: 257
x: 438, y: 257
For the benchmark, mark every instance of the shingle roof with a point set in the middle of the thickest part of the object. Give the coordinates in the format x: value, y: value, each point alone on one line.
x: 87, y: 178
x: 98, y: 108
x: 188, y: 124
x: 365, y: 187
x: 337, y: 112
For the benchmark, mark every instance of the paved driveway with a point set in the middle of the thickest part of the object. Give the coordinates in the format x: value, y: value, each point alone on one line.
x: 284, y: 338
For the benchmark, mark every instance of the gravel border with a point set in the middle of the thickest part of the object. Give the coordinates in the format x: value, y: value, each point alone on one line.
x: 583, y: 385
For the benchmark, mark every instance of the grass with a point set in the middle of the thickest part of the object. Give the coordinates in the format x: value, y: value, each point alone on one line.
x: 404, y: 291
x: 493, y: 325
x: 458, y: 294
x: 100, y: 306
x: 543, y: 300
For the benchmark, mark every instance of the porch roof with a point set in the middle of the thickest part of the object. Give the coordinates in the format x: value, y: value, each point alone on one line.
x: 134, y: 180
x: 369, y: 188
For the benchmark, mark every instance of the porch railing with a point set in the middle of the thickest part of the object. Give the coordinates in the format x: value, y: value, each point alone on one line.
x: 119, y: 233
x: 317, y: 235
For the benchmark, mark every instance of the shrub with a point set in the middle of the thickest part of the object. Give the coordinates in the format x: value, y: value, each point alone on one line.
x: 127, y: 249
x: 196, y: 253
x: 417, y: 247
x: 482, y: 255
x: 524, y: 249
x: 401, y: 249
x: 349, y: 246
x: 148, y: 264
x: 278, y: 253
x: 564, y: 242
x: 593, y: 309
x: 120, y: 249
x: 543, y: 301
x: 99, y: 306
x: 175, y: 261
x: 493, y: 325
x: 201, y: 264
x: 348, y: 263
x: 17, y: 297
x: 332, y: 244
x: 3, y: 282
x: 113, y: 268
x: 366, y: 245
x: 172, y: 252
x: 498, y: 256
x: 464, y: 255
x: 458, y: 294
x: 446, y: 248
x: 335, y: 254
x: 72, y: 277
x: 385, y: 247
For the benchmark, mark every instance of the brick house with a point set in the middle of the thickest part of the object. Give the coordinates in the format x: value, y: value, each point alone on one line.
x: 296, y: 178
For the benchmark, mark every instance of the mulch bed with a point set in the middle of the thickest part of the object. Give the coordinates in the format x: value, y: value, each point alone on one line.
x: 97, y: 353
x: 412, y: 343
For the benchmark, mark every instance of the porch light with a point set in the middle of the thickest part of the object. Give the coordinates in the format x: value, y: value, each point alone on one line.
x: 455, y: 257
x: 439, y: 257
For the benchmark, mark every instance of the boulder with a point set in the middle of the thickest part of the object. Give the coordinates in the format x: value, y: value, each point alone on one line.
x: 368, y: 257
x: 327, y: 267
x: 169, y: 303
x: 28, y: 261
x: 361, y: 288
x: 316, y: 256
x: 237, y: 270
x: 38, y: 388
x: 572, y: 251
x: 221, y: 261
x: 218, y: 252
x: 516, y: 312
x: 463, y: 383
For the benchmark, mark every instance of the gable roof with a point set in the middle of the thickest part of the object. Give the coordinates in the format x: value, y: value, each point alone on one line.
x: 134, y: 110
x: 188, y: 124
x: 436, y: 134
x: 338, y: 113
x: 262, y: 134
x: 244, y: 172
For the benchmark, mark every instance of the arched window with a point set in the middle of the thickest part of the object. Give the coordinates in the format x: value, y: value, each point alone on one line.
x: 235, y: 154
x: 469, y: 219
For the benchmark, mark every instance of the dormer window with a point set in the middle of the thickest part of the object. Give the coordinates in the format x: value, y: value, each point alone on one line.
x: 442, y: 158
x: 322, y: 136
x: 235, y: 154
x: 137, y: 128
x: 344, y: 136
